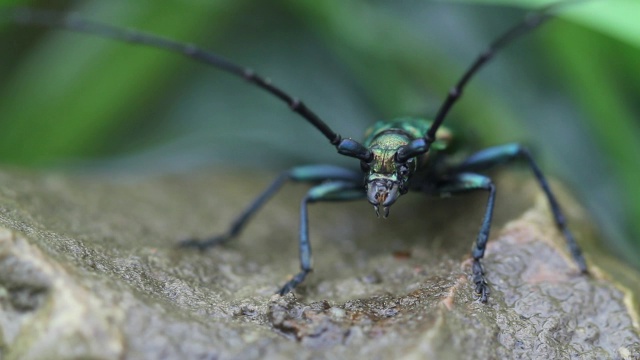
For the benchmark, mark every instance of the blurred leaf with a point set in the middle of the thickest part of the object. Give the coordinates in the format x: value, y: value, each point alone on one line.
x: 93, y: 87
x: 590, y: 75
x: 616, y: 18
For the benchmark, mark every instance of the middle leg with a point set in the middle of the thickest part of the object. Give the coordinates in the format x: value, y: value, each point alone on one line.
x: 307, y: 173
x: 490, y: 157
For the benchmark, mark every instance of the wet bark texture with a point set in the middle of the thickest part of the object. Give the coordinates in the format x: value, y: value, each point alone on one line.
x: 89, y: 268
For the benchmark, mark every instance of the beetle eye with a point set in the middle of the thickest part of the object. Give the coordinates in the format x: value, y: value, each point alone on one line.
x: 364, y: 166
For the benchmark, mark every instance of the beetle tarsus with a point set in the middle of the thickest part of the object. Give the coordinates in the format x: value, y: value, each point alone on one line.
x: 203, y: 244
x: 482, y: 288
x: 295, y: 281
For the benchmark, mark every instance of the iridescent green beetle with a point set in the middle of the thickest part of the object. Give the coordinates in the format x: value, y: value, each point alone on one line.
x: 386, y: 178
x: 402, y: 155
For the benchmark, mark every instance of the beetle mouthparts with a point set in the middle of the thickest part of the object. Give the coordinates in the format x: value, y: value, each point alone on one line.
x: 382, y: 193
x: 385, y: 211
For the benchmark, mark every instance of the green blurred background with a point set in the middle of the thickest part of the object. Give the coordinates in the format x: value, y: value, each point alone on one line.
x: 570, y: 89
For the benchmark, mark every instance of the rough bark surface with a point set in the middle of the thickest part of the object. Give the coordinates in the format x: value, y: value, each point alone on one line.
x: 89, y: 269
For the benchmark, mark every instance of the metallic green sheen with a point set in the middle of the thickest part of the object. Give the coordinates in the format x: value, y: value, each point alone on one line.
x: 385, y: 137
x: 414, y: 127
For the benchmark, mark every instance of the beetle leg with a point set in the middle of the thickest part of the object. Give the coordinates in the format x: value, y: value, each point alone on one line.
x: 328, y: 191
x: 496, y: 155
x: 465, y: 182
x: 308, y: 173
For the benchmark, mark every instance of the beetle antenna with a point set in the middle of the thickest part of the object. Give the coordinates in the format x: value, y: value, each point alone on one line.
x: 73, y: 23
x: 531, y: 21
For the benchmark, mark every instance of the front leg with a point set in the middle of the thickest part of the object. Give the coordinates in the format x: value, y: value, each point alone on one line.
x: 307, y: 173
x: 328, y: 191
x: 487, y: 158
x: 465, y: 182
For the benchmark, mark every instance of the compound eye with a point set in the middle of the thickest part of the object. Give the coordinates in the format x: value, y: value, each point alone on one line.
x: 365, y: 166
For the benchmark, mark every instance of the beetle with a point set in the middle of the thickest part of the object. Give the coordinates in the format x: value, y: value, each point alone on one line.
x: 397, y: 156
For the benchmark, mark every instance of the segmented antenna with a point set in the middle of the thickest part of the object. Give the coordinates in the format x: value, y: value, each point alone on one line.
x: 72, y: 23
x: 347, y: 147
x: 531, y: 21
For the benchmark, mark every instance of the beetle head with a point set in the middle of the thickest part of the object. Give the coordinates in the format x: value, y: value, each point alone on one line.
x: 386, y: 179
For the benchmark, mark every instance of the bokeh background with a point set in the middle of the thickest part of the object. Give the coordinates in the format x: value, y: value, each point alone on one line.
x: 570, y: 89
